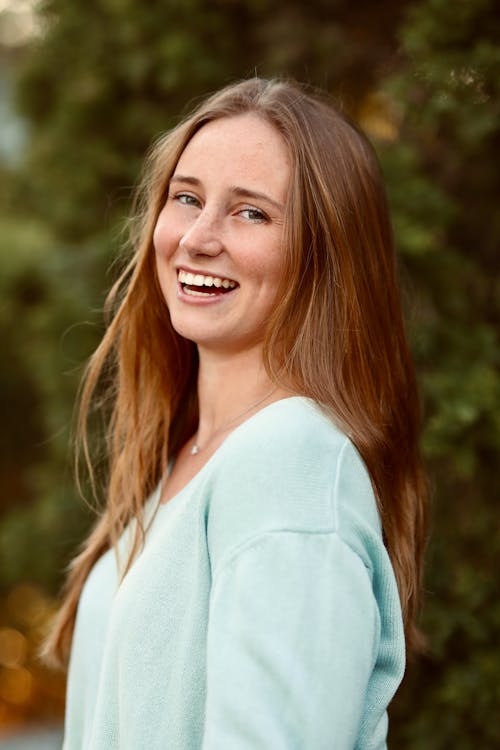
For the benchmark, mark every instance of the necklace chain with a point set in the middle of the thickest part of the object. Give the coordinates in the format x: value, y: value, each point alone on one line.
x: 196, y: 448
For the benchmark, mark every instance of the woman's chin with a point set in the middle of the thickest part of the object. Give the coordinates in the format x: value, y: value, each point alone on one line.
x: 219, y: 342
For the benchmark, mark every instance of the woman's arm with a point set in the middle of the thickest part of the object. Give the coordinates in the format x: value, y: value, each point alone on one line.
x: 294, y: 630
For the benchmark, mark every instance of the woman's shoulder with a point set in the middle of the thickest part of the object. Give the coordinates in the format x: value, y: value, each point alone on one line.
x: 295, y: 426
x: 289, y: 468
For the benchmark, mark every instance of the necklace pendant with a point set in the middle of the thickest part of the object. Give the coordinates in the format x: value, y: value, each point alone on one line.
x: 195, y: 449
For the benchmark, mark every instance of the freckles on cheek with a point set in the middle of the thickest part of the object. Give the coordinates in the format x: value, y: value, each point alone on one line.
x: 160, y: 231
x: 157, y: 233
x: 165, y: 238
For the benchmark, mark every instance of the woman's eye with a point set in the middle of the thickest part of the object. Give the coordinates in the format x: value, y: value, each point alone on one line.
x: 253, y: 214
x: 186, y: 199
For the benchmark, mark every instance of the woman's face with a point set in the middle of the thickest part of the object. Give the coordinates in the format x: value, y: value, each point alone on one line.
x: 218, y: 239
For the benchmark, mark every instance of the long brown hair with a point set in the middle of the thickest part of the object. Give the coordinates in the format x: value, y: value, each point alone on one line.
x: 336, y: 335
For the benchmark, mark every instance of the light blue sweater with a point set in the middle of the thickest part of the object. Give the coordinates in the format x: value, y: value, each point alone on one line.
x: 262, y: 613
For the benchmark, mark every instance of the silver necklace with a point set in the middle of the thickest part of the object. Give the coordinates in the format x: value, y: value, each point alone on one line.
x: 196, y: 448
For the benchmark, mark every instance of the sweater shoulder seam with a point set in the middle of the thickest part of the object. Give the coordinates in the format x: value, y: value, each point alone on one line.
x: 335, y: 490
x: 257, y: 539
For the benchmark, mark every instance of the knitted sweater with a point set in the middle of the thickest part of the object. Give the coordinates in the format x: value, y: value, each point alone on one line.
x: 261, y: 614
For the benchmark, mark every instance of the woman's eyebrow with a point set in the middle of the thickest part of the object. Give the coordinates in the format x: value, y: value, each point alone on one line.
x: 241, y: 192
x: 182, y: 178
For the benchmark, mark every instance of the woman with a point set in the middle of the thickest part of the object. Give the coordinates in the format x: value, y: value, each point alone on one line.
x: 258, y: 560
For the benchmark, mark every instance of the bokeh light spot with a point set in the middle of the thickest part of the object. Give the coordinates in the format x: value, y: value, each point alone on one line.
x: 13, y: 648
x: 16, y: 685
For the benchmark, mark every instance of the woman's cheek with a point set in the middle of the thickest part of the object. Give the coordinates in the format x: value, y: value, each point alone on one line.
x: 157, y: 237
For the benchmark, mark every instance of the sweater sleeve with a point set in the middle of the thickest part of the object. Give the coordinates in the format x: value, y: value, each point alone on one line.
x: 292, y: 641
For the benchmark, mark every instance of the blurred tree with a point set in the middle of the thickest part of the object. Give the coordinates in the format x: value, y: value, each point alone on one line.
x: 42, y: 520
x: 445, y: 185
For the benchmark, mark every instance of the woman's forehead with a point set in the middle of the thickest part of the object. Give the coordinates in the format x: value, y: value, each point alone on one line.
x: 241, y: 148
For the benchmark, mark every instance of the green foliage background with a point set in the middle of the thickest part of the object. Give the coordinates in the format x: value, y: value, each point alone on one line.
x: 108, y: 76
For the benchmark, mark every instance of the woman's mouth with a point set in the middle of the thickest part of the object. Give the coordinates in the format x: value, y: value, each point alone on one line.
x: 203, y: 285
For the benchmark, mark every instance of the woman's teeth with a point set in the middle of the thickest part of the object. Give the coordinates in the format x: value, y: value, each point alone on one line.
x: 198, y: 280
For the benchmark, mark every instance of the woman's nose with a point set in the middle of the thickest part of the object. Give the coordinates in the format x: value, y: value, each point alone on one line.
x: 203, y: 236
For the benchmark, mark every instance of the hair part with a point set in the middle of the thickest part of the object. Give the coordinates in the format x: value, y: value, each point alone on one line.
x: 336, y: 335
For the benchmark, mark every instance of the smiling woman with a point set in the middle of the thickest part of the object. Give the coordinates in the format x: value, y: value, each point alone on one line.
x: 257, y: 563
x: 223, y: 218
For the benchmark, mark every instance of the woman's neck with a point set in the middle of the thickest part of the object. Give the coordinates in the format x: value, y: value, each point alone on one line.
x: 230, y: 389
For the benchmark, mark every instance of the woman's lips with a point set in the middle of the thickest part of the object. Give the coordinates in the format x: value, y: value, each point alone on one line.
x: 195, y: 279
x: 194, y: 296
x: 201, y: 288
